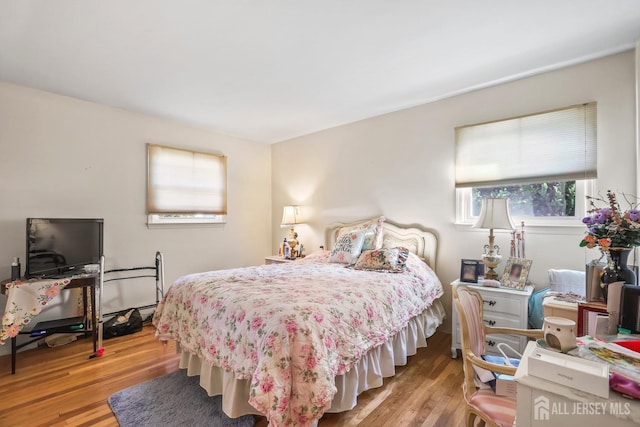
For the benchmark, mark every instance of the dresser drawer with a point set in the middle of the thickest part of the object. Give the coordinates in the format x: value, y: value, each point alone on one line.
x: 501, y: 304
x: 501, y: 320
x: 497, y: 320
x: 515, y: 342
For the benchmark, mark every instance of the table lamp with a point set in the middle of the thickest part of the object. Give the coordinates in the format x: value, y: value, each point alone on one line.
x: 494, y: 215
x: 291, y: 216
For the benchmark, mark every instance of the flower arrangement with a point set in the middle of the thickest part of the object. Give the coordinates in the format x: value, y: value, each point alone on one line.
x: 610, y: 227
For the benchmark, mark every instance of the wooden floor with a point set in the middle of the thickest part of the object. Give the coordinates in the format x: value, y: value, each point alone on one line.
x: 62, y: 387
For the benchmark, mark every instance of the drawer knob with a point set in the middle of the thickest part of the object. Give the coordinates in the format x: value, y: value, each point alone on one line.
x: 491, y: 343
x: 490, y: 322
x: 491, y: 302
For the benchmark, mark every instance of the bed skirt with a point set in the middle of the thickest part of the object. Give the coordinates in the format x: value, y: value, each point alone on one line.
x: 368, y: 373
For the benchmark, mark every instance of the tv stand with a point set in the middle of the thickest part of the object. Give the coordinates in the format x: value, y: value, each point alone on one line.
x: 89, y: 282
x: 92, y: 284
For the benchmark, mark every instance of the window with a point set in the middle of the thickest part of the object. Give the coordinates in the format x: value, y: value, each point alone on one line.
x: 185, y: 186
x: 544, y: 163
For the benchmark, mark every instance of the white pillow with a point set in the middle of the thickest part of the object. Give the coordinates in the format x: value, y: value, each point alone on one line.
x: 348, y: 247
x: 564, y: 281
x: 373, y: 236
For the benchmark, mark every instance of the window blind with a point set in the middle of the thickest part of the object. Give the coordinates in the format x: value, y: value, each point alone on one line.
x: 557, y: 145
x: 185, y: 182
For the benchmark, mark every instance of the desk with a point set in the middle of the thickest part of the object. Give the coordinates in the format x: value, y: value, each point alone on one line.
x: 545, y: 404
x: 26, y: 300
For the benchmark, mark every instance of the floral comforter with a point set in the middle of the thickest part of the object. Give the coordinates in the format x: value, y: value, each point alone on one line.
x: 291, y: 328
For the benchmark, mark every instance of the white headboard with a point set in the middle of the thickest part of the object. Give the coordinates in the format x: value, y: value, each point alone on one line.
x: 421, y: 242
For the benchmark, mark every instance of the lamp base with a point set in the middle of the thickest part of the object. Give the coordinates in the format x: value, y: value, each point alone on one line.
x: 491, y: 261
x: 293, y: 242
x: 490, y: 274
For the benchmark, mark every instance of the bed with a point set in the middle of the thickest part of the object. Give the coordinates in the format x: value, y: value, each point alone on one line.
x: 292, y: 341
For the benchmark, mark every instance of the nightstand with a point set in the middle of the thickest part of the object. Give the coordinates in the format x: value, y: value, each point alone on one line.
x: 503, y: 307
x: 276, y: 259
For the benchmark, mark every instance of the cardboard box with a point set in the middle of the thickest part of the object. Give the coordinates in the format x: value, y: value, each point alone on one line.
x: 506, y: 386
x: 584, y: 375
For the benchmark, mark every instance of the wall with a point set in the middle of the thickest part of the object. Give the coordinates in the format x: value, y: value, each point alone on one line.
x: 402, y: 164
x: 62, y: 157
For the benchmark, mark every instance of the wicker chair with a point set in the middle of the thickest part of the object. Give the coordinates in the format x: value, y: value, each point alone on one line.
x: 483, y: 404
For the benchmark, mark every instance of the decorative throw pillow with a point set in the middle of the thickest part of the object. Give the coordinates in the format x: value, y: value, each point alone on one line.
x: 387, y: 259
x: 373, y: 232
x: 348, y: 247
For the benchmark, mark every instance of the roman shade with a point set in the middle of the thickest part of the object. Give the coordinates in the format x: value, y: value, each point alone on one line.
x: 557, y: 145
x: 185, y: 182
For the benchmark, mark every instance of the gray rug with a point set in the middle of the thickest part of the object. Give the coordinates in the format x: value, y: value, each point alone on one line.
x: 172, y: 400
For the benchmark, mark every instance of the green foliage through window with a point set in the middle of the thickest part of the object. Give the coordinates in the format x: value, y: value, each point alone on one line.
x: 547, y: 199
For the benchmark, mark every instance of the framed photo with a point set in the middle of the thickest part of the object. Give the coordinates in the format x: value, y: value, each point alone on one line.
x: 516, y: 272
x: 469, y: 270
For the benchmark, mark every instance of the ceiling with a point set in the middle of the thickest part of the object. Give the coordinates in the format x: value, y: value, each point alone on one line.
x: 271, y: 70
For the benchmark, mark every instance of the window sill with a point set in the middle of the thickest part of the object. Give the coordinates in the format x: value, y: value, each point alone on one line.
x: 570, y: 227
x: 155, y: 221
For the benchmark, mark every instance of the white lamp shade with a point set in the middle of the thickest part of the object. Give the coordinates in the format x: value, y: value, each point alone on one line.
x: 495, y: 215
x: 291, y: 215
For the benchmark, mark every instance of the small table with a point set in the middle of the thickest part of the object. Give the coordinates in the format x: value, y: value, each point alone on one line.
x: 276, y: 259
x: 26, y: 299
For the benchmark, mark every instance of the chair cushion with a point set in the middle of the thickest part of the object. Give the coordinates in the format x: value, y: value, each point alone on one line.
x: 500, y: 409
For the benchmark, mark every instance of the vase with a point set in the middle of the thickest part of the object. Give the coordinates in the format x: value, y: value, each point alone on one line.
x: 616, y: 269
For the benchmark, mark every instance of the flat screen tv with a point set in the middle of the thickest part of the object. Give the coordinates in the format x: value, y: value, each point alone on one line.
x: 61, y: 246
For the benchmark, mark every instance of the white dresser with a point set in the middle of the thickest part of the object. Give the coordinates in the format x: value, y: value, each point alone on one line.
x: 503, y: 307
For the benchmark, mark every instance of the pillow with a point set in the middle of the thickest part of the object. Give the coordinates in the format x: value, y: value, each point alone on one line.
x: 348, y: 247
x: 373, y: 235
x: 393, y: 260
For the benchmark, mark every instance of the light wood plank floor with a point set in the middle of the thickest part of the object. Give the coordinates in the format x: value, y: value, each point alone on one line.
x: 62, y: 387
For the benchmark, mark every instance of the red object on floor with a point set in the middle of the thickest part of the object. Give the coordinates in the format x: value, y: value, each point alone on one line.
x: 98, y: 353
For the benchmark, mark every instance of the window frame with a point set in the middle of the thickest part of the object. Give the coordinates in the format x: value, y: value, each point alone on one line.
x: 474, y: 135
x: 181, y: 216
x: 583, y: 188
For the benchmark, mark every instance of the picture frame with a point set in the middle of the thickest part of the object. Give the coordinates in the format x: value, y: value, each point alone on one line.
x: 469, y: 270
x: 515, y: 273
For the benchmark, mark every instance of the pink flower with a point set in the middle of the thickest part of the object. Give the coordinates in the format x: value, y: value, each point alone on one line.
x: 241, y: 316
x: 52, y: 291
x: 270, y: 341
x: 292, y: 326
x: 164, y: 328
x: 231, y: 344
x: 282, y: 405
x: 328, y: 341
x: 318, y: 317
x: 286, y: 374
x: 256, y: 323
x: 213, y: 351
x: 369, y: 312
x: 267, y: 384
x: 310, y: 362
x: 13, y: 330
